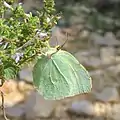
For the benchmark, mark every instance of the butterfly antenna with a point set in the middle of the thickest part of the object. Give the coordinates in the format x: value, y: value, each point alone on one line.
x: 59, y: 47
x: 63, y: 43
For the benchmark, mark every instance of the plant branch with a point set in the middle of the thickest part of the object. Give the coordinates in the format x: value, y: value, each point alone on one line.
x: 3, y: 106
x: 2, y: 97
x: 25, y: 45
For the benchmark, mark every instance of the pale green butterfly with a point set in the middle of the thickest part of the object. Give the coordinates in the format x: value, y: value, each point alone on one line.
x: 58, y: 74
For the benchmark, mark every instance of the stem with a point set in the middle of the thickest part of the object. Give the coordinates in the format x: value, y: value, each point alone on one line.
x: 3, y: 105
x: 3, y: 12
x: 25, y: 45
x: 25, y: 60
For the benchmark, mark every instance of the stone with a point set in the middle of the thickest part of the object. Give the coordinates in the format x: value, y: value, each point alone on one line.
x: 115, y: 112
x: 26, y: 74
x: 13, y: 98
x: 24, y: 87
x: 82, y: 107
x: 96, y: 39
x: 6, y: 87
x: 102, y: 109
x: 111, y: 111
x: 60, y: 111
x: 29, y: 5
x: 81, y: 56
x: 94, y: 62
x: 111, y: 40
x: 15, y: 111
x: 118, y: 34
x: 37, y: 106
x: 107, y: 55
x: 108, y: 39
x: 84, y: 34
x: 108, y: 94
x: 11, y: 93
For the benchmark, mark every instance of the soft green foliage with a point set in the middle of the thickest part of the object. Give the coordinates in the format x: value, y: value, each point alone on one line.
x: 10, y: 71
x: 58, y: 74
x: 23, y: 36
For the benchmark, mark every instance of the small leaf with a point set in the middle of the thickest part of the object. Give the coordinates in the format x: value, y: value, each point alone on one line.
x: 10, y: 72
x: 60, y: 75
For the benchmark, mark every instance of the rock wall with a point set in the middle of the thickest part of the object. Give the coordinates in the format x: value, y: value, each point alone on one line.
x: 98, y: 51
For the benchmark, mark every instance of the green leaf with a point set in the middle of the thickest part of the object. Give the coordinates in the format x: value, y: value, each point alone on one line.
x: 10, y: 72
x: 60, y: 75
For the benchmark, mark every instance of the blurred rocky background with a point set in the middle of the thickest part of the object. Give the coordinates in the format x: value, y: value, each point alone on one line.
x: 93, y: 28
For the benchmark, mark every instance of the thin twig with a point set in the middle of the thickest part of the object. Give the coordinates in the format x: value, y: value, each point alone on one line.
x: 24, y: 45
x: 3, y: 106
x: 27, y: 43
x: 2, y: 96
x: 3, y: 14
